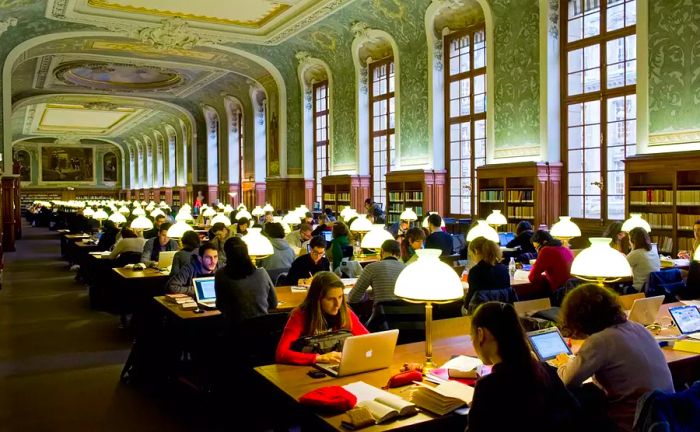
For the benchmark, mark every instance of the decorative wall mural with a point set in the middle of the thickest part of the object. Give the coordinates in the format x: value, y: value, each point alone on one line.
x: 22, y: 165
x: 67, y: 164
x: 116, y: 76
x: 109, y: 166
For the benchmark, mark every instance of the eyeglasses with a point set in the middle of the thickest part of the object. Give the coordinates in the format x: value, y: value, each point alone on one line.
x: 315, y: 253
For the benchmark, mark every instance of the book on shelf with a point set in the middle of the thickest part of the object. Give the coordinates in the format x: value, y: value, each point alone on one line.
x: 381, y: 404
x: 442, y: 398
x: 491, y: 196
x: 521, y: 212
x: 685, y: 243
x: 651, y: 196
x: 686, y: 221
x: 524, y: 196
x: 663, y: 243
x: 659, y: 220
x: 688, y: 197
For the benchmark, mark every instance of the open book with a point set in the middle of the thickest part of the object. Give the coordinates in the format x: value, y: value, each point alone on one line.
x: 461, y: 368
x: 381, y: 404
x: 443, y: 398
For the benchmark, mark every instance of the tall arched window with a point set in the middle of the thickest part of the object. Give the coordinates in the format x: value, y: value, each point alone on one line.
x: 382, y: 132
x: 241, y: 151
x: 320, y: 120
x: 465, y: 114
x: 599, y: 104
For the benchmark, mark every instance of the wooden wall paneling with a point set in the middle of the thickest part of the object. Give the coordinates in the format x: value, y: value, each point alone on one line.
x: 309, y: 193
x: 260, y: 193
x: 8, y: 184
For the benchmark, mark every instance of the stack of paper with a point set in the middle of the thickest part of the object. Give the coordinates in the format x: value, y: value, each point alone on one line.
x: 443, y: 398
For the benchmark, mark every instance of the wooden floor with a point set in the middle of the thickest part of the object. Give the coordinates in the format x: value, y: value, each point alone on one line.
x: 60, y: 361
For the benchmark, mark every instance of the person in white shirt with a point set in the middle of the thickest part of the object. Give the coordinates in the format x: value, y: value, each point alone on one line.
x: 300, y: 238
x: 129, y: 242
x: 642, y: 258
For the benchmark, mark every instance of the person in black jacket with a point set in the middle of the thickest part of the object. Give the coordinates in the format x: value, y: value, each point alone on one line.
x: 108, y: 237
x: 438, y: 239
x: 488, y: 273
x: 521, y: 242
x: 311, y: 263
x: 521, y: 393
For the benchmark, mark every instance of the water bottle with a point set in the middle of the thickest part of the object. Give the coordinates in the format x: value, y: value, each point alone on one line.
x: 511, y: 268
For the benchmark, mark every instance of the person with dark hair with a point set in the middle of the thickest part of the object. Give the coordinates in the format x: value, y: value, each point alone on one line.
x: 411, y: 243
x: 242, y: 226
x: 642, y: 258
x: 108, y: 237
x: 329, y: 214
x: 341, y: 240
x: 621, y: 356
x: 374, y: 211
x: 283, y: 255
x: 324, y: 309
x: 488, y: 273
x: 311, y: 263
x: 553, y: 265
x: 325, y: 223
x: 438, y: 239
x: 523, y: 234
x: 380, y: 275
x: 398, y: 229
x: 156, y: 245
x: 153, y: 232
x: 204, y: 263
x: 268, y: 217
x: 614, y: 231
x: 535, y: 397
x: 242, y: 290
x: 299, y: 238
x: 685, y: 254
x: 308, y: 218
x: 190, y: 243
x: 129, y: 242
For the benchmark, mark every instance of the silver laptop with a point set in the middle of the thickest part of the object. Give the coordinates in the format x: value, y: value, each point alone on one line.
x: 364, y: 353
x: 204, y: 291
x: 644, y: 310
x: 548, y: 343
x: 687, y: 319
x: 165, y: 259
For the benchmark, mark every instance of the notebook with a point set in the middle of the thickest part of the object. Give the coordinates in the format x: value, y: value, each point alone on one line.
x: 363, y: 353
x: 165, y: 259
x: 687, y: 319
x: 548, y: 343
x: 204, y: 291
x: 644, y: 310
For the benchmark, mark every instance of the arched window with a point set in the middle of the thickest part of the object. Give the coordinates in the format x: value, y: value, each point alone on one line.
x: 599, y: 104
x: 241, y: 150
x: 321, y: 112
x: 465, y: 114
x: 382, y: 127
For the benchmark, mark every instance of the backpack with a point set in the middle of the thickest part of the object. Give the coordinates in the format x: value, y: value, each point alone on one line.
x: 323, y: 343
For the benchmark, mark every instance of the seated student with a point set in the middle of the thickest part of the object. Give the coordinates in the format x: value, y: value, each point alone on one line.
x: 488, y: 273
x: 374, y: 211
x: 308, y: 218
x: 642, y: 258
x: 553, y: 266
x: 190, y: 243
x: 129, y: 242
x: 621, y: 356
x: 380, y: 275
x: 324, y: 224
x: 324, y: 309
x: 242, y: 227
x: 411, y: 243
x: 688, y: 254
x: 329, y: 215
x: 438, y: 239
x: 108, y: 237
x: 218, y: 234
x: 398, y: 229
x: 297, y: 239
x: 311, y: 263
x: 154, y: 246
x: 153, y: 232
x: 242, y: 290
x: 523, y: 234
x: 203, y: 263
x: 521, y: 393
x: 341, y: 239
x: 614, y: 231
x: 283, y: 255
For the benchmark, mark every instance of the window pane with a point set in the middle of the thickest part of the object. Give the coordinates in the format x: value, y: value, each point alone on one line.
x: 592, y: 180
x: 616, y: 207
x: 592, y: 209
x: 616, y: 17
x: 575, y: 206
x: 575, y: 30
x: 575, y: 83
x: 575, y: 137
x: 592, y: 161
x: 575, y: 60
x: 591, y: 80
x: 575, y: 184
x: 575, y: 114
x: 591, y: 24
x: 575, y: 160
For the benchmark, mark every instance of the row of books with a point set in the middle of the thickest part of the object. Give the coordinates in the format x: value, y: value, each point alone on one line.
x: 520, y: 195
x: 659, y: 220
x: 343, y: 196
x: 663, y: 243
x: 685, y: 243
x: 686, y: 221
x: 520, y: 212
x: 688, y: 197
x: 491, y: 196
x: 406, y: 196
x: 651, y: 196
x: 399, y: 208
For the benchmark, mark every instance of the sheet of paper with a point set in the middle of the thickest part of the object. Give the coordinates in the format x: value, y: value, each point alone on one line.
x: 462, y: 362
x: 299, y: 289
x: 521, y: 275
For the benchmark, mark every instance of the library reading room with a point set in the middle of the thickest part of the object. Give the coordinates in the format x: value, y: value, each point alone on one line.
x: 330, y: 215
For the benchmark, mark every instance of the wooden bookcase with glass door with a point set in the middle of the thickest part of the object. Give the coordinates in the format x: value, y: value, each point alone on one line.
x: 665, y: 189
x: 421, y: 190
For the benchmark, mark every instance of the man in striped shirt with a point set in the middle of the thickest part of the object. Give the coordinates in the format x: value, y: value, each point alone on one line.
x: 381, y: 276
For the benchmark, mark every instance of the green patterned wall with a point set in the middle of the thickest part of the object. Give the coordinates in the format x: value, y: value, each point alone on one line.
x: 674, y: 65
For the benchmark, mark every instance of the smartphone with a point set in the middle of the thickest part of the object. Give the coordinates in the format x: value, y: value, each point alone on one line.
x: 308, y: 248
x: 315, y: 373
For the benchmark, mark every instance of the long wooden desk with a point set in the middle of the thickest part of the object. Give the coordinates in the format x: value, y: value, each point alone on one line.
x: 147, y: 273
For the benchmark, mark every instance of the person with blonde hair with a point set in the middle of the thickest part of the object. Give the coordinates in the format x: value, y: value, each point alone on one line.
x: 488, y: 273
x: 323, y: 310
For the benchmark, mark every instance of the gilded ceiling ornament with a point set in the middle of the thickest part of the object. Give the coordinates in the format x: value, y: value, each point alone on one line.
x: 101, y: 105
x: 5, y: 25
x: 172, y: 34
x: 302, y: 57
x: 360, y: 30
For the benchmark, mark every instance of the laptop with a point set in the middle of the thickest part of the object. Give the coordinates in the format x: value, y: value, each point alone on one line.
x: 644, y: 310
x: 328, y: 235
x: 505, y: 238
x: 165, y: 259
x: 687, y: 319
x: 364, y: 353
x: 204, y: 291
x: 548, y: 343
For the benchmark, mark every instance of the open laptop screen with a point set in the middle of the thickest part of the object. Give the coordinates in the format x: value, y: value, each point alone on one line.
x: 548, y: 343
x: 328, y: 235
x: 204, y: 288
x: 505, y: 238
x: 687, y: 318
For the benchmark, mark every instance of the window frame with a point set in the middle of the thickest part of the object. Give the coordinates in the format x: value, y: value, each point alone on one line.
x: 316, y: 114
x: 388, y: 132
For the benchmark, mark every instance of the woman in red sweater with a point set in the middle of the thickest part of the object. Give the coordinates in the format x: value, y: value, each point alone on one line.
x: 553, y: 265
x: 323, y: 310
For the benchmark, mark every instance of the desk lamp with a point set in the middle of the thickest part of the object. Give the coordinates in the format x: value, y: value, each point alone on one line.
x: 375, y: 237
x: 345, y: 211
x: 565, y: 230
x: 351, y: 213
x: 635, y: 221
x: 496, y: 219
x: 163, y: 204
x: 138, y: 211
x: 144, y: 203
x: 600, y: 263
x: 220, y: 217
x: 183, y: 215
x: 482, y: 229
x: 425, y: 220
x: 428, y: 281
x: 228, y: 209
x: 124, y: 210
x: 259, y: 246
x: 88, y: 212
x: 117, y: 218
x: 141, y: 223
x: 292, y: 218
x: 156, y: 212
x: 243, y: 213
x: 258, y: 212
x: 209, y: 213
x: 178, y: 229
x: 280, y: 221
x: 408, y: 215
x: 267, y: 208
x: 99, y: 215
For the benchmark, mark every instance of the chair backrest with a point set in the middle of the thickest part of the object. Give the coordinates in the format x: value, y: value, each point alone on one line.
x: 627, y: 300
x: 258, y: 338
x: 408, y: 318
x: 505, y: 295
x: 668, y: 283
x: 277, y: 275
x: 523, y: 307
x: 658, y: 411
x: 125, y: 258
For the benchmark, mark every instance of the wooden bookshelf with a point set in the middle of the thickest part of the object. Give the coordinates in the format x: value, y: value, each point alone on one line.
x: 338, y: 191
x: 665, y: 189
x: 422, y: 190
x: 521, y: 191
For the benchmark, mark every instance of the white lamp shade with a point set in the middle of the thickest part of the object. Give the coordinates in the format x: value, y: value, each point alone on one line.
x: 243, y: 214
x: 258, y: 211
x: 408, y: 214
x: 376, y: 237
x: 300, y: 212
x: 635, y: 221
x: 228, y: 209
x: 138, y: 211
x: 280, y: 221
x: 124, y: 210
x: 496, y: 218
x: 599, y: 260
x: 258, y: 244
x: 242, y: 206
x: 157, y: 212
x: 209, y: 212
x: 361, y: 224
x: 291, y: 218
x: 100, y: 215
x: 183, y: 216
x: 482, y: 229
x: 303, y: 208
x: 425, y: 221
x: 351, y: 213
x: 142, y: 222
x: 220, y: 217
x: 268, y: 208
x: 144, y: 203
x: 428, y: 279
x: 565, y: 228
x: 345, y: 211
x: 88, y: 212
x: 186, y: 207
x: 150, y: 207
x: 178, y: 229
x: 117, y: 218
x: 163, y: 204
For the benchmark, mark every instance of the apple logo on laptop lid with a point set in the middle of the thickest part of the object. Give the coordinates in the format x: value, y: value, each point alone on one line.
x: 368, y: 354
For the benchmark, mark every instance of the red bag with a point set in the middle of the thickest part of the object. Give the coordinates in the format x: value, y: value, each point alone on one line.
x: 404, y: 378
x: 332, y: 398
